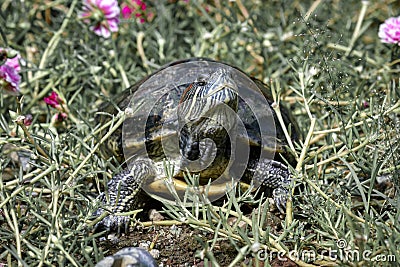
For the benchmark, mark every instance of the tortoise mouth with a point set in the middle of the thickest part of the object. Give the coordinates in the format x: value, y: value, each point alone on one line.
x: 197, y: 153
x: 200, y: 156
x: 205, y: 142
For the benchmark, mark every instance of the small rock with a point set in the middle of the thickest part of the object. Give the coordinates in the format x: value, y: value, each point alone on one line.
x: 175, y: 230
x: 155, y: 253
x: 154, y: 215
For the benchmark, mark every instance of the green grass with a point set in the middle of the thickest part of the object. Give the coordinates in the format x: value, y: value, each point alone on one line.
x: 323, y: 66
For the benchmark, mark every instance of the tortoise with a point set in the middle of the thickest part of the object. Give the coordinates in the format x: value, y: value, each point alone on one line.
x: 200, y: 117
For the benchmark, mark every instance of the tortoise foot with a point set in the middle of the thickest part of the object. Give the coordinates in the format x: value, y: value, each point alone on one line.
x: 113, y: 223
x: 280, y: 196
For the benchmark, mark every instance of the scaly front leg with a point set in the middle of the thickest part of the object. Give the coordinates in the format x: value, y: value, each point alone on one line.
x: 276, y: 176
x: 122, y: 195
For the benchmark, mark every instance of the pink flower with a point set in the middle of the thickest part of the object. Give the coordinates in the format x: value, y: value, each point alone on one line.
x: 14, y: 61
x: 103, y: 15
x: 9, y: 76
x: 136, y: 7
x: 56, y: 102
x: 28, y: 119
x: 389, y: 31
x: 60, y: 117
x: 24, y: 119
x: 53, y: 100
x: 126, y: 12
x: 9, y: 79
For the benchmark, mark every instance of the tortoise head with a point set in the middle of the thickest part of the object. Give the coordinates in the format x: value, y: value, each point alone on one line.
x: 207, y: 115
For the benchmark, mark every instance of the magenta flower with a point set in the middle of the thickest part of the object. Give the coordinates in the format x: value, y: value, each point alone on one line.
x: 135, y: 8
x: 60, y: 117
x: 28, y: 119
x: 53, y: 100
x: 9, y: 76
x: 126, y: 12
x: 9, y: 80
x: 14, y: 62
x: 24, y: 119
x: 103, y: 15
x: 56, y: 102
x: 389, y: 31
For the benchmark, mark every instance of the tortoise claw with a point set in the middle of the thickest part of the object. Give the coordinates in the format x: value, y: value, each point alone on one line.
x: 280, y: 196
x: 113, y: 223
x: 130, y: 256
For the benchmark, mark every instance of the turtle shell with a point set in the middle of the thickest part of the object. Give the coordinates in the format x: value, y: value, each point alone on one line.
x: 151, y: 129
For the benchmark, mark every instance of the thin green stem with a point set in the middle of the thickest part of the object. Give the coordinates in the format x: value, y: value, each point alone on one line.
x: 53, y: 43
x: 121, y: 118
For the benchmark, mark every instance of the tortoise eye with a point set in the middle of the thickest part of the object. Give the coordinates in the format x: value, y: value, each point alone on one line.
x: 201, y: 83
